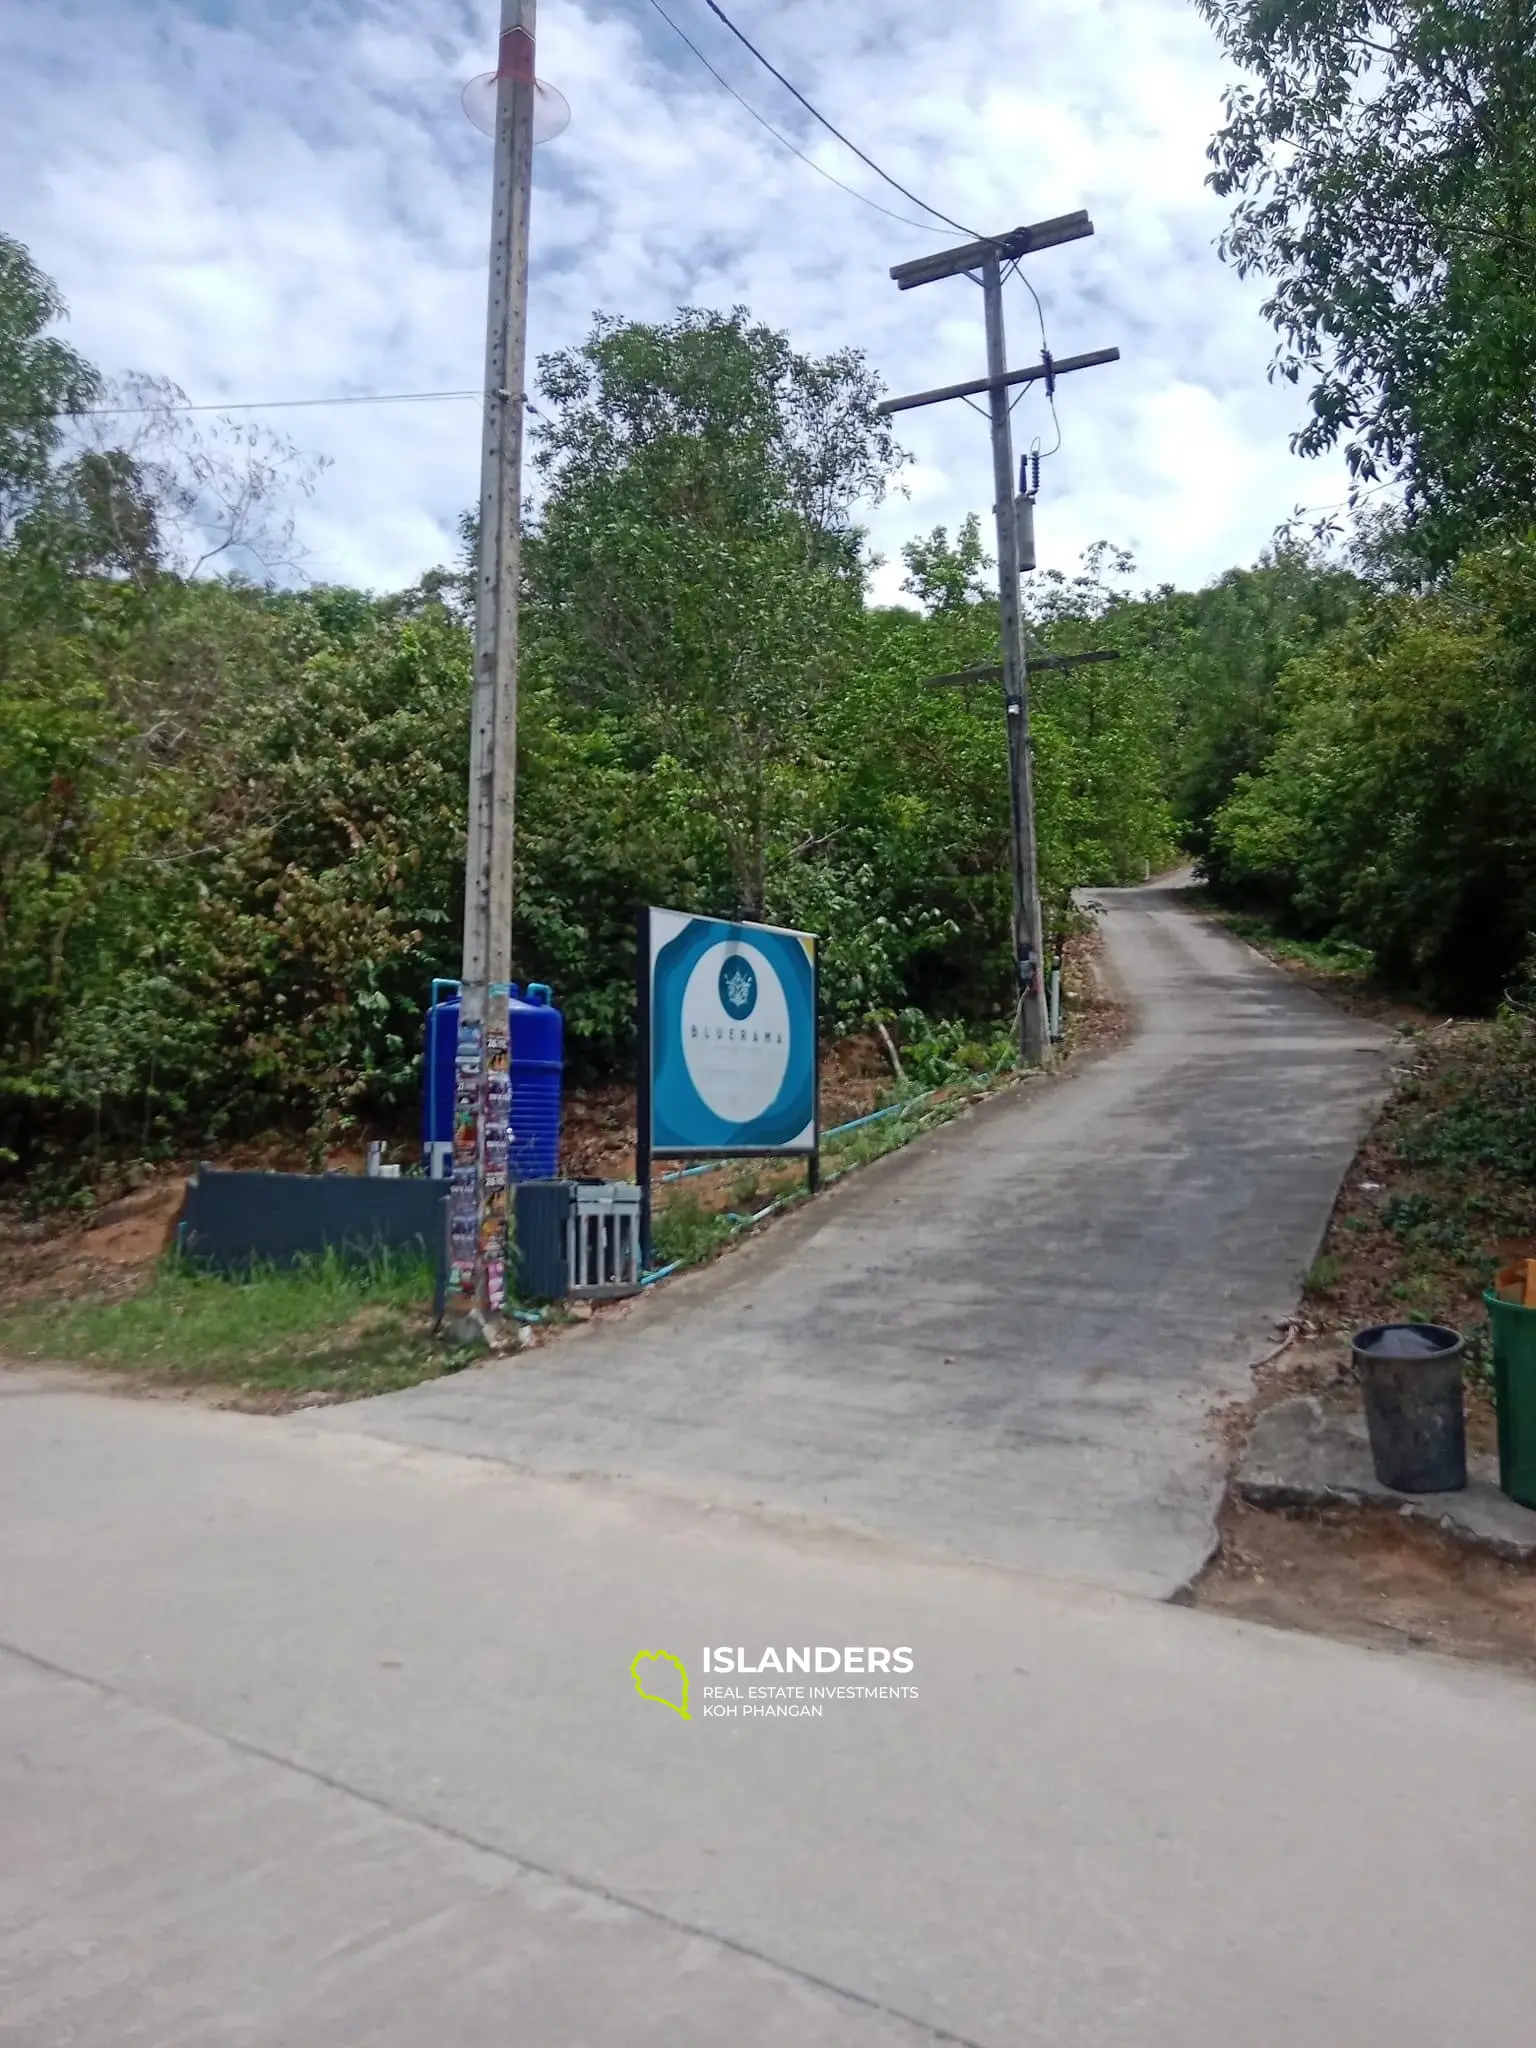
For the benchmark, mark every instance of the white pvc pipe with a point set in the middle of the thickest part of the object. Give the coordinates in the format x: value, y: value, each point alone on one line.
x: 1055, y: 1002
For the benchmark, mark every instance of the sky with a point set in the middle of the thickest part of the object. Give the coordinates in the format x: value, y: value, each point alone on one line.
x: 282, y: 199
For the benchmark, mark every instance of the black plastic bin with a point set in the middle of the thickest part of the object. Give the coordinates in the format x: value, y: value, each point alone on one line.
x: 1411, y: 1377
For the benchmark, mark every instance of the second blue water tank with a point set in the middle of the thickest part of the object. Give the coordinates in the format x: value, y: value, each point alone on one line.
x: 538, y: 1074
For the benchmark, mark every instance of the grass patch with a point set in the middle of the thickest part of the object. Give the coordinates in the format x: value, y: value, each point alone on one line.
x: 1324, y: 1274
x: 1444, y: 1190
x: 1334, y: 958
x: 688, y: 1230
x: 328, y: 1326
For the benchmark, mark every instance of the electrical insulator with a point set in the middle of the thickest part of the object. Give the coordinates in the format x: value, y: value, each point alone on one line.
x: 1024, y: 519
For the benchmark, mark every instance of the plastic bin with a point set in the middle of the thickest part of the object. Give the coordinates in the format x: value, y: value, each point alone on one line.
x: 1411, y: 1377
x: 578, y: 1239
x: 1514, y: 1393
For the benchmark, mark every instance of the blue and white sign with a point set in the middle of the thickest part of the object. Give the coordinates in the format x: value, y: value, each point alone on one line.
x: 732, y: 1036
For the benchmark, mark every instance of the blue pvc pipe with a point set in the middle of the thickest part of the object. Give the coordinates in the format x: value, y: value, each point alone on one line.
x: 837, y: 1131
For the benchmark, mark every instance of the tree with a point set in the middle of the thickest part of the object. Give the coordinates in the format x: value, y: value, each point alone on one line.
x: 1383, y: 156
x: 41, y: 380
x: 697, y: 565
x: 1395, y: 806
x: 945, y: 579
x: 158, y: 490
x: 719, y: 380
x: 1222, y: 651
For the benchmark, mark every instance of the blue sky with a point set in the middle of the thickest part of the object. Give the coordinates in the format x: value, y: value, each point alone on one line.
x: 265, y: 199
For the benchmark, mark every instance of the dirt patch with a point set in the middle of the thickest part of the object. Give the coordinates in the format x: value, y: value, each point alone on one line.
x: 598, y: 1130
x: 1096, y: 1015
x: 54, y: 1259
x: 1365, y: 1576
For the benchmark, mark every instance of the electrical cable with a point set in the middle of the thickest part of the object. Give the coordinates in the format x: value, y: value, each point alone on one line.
x: 923, y: 227
x: 415, y: 397
x: 247, y: 404
x: 1017, y: 270
x: 816, y: 115
x: 1348, y: 504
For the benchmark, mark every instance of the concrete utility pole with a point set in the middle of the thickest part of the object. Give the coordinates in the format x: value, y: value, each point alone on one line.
x: 1028, y: 940
x: 478, y: 1201
x: 983, y: 262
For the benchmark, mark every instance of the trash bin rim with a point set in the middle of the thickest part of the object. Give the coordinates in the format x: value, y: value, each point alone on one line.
x: 1361, y: 1349
x: 1516, y: 1308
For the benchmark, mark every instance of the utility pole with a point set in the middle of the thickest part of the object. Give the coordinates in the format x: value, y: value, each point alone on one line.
x: 966, y: 679
x: 984, y: 262
x: 482, y: 1101
x: 1028, y: 940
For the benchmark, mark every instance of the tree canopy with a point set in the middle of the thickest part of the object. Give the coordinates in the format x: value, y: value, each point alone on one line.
x: 1382, y: 154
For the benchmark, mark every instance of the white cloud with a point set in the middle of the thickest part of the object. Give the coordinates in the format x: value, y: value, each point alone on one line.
x: 275, y: 198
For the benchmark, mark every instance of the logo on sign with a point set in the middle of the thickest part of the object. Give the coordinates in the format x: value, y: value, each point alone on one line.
x: 738, y: 988
x: 735, y: 1031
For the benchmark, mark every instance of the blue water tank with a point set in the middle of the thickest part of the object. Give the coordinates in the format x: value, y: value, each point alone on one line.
x: 442, y: 1042
x: 538, y: 1074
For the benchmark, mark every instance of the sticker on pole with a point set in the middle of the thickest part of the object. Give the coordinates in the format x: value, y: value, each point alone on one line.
x: 733, y: 1036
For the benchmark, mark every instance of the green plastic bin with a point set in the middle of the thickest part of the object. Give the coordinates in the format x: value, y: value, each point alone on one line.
x: 1514, y: 1392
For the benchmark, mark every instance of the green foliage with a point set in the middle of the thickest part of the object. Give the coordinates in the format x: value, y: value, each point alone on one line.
x: 1383, y: 156
x: 1221, y: 652
x: 685, y: 1233
x: 1323, y: 1275
x: 1397, y: 807
x: 231, y: 817
x: 695, y: 572
x: 1481, y: 1115
x: 41, y: 378
x: 944, y: 578
x: 936, y: 1052
x: 1340, y: 959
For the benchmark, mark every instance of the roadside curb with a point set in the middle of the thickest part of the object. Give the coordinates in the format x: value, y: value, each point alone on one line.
x: 1301, y: 1454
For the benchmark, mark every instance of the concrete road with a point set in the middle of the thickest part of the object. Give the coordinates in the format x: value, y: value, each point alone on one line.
x: 312, y: 1739
x: 1005, y: 1342
x: 308, y: 1735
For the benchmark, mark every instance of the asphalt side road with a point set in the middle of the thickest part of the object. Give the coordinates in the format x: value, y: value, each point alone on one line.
x: 1005, y: 1342
x: 308, y: 1738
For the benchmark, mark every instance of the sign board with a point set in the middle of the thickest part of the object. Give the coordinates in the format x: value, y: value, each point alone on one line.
x: 728, y: 1051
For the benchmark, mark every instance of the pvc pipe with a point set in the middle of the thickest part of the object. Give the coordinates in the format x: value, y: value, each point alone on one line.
x: 838, y: 1131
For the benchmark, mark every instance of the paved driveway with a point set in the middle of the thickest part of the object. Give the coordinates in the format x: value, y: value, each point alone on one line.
x: 1005, y: 1342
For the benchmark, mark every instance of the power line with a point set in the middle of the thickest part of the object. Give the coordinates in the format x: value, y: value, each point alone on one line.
x: 247, y: 404
x: 1356, y: 497
x: 922, y: 226
x: 817, y: 115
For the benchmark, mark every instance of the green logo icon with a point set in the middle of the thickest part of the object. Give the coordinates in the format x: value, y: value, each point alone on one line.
x: 641, y: 1670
